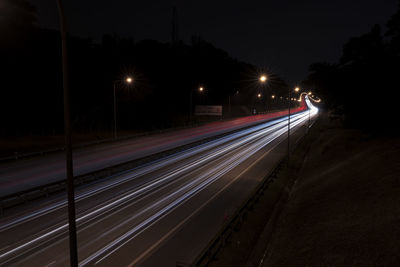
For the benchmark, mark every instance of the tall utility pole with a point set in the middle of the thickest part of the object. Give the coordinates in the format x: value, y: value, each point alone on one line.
x: 190, y: 105
x: 174, y: 31
x: 229, y: 104
x: 288, y: 131
x: 115, y: 113
x: 68, y: 143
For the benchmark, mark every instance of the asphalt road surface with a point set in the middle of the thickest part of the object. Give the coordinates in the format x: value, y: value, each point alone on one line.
x: 29, y: 173
x: 157, y: 214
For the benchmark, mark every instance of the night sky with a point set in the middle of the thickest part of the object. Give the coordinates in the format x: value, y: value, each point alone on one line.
x: 285, y: 35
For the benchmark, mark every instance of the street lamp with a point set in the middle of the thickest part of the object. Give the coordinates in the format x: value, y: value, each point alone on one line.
x: 309, y: 110
x: 201, y: 90
x: 128, y: 80
x: 229, y: 101
x: 263, y: 78
x: 290, y: 99
x: 309, y: 117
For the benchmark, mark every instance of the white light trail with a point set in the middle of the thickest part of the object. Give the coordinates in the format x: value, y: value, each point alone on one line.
x: 255, y: 138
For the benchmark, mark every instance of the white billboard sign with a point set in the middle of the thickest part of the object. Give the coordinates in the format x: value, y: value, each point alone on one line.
x: 208, y: 110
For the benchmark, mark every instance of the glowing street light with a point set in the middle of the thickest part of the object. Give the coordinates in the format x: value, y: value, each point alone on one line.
x: 296, y: 89
x: 259, y: 95
x: 263, y: 78
x: 201, y: 89
x: 128, y: 80
x: 273, y: 96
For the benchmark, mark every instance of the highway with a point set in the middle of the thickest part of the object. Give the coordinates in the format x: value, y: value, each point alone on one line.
x: 29, y: 173
x: 156, y: 214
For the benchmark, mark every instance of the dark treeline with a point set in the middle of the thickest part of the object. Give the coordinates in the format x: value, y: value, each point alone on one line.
x: 163, y: 73
x: 364, y: 85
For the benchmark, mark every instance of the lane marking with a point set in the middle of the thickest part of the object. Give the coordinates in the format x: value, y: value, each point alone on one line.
x: 219, y: 172
x: 263, y: 131
x: 173, y: 230
x: 50, y: 264
x: 131, y: 234
x: 142, y: 171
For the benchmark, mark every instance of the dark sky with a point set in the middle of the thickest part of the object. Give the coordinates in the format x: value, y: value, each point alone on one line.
x: 285, y: 35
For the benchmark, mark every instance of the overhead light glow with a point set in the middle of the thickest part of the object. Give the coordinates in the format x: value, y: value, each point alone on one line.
x: 263, y: 78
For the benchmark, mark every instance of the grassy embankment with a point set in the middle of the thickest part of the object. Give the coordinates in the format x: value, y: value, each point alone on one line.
x: 337, y: 205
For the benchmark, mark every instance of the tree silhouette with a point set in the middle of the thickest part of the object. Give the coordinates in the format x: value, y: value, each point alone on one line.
x: 360, y: 50
x: 393, y: 31
x: 364, y: 83
x: 17, y: 20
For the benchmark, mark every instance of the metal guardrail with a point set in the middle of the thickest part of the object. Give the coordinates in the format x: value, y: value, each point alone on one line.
x: 220, y: 239
x: 16, y: 155
x: 46, y: 190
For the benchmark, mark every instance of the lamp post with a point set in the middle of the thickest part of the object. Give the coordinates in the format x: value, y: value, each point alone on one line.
x: 263, y: 79
x: 288, y: 135
x: 229, y: 105
x: 273, y: 104
x: 297, y: 89
x: 201, y: 90
x: 73, y: 248
x: 128, y: 80
x: 229, y: 102
x: 309, y: 111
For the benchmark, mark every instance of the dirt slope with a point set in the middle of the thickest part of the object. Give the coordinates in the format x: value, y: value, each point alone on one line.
x: 344, y: 209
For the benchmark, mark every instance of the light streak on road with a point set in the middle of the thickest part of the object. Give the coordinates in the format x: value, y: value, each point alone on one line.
x: 128, y: 175
x: 229, y: 151
x: 204, y: 180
